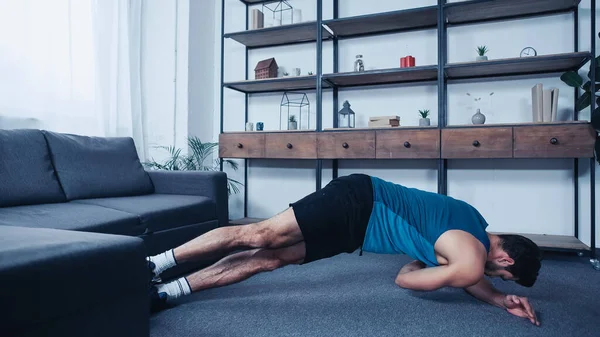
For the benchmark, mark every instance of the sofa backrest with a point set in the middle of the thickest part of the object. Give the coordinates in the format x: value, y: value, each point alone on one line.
x: 97, y: 167
x: 26, y: 173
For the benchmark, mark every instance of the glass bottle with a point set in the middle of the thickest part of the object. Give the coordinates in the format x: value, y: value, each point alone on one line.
x: 358, y: 63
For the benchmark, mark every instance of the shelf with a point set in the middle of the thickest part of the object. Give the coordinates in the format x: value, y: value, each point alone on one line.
x: 555, y: 242
x: 384, y: 76
x: 397, y: 21
x: 408, y: 127
x: 517, y: 66
x: 280, y: 35
x: 269, y: 131
x: 274, y: 84
x: 517, y: 124
x: 488, y: 10
x: 256, y: 2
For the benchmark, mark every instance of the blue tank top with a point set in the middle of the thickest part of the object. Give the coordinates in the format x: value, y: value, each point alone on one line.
x: 409, y: 221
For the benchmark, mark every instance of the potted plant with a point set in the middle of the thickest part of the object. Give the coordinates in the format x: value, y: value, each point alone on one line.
x: 424, y: 121
x: 293, y: 124
x: 573, y: 79
x: 481, y: 51
x: 194, y: 161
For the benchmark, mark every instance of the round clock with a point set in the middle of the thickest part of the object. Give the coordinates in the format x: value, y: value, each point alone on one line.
x: 528, y: 51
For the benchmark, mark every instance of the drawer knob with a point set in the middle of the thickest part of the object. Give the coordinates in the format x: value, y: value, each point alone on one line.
x: 476, y: 143
x: 240, y: 145
x: 553, y: 141
x: 406, y: 145
x: 289, y: 145
x: 345, y: 145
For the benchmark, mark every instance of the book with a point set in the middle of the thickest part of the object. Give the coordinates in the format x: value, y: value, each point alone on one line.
x: 377, y: 118
x: 537, y: 102
x: 257, y: 19
x: 547, y: 105
x: 389, y: 122
x: 554, y: 104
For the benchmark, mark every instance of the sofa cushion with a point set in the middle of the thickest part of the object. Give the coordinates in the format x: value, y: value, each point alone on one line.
x: 26, y: 172
x: 97, y: 167
x: 159, y: 212
x: 50, y: 276
x: 71, y: 216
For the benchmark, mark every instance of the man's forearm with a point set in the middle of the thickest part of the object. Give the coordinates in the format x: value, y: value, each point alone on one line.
x: 485, y: 292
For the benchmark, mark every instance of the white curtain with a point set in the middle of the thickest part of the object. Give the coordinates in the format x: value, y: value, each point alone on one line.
x: 73, y: 66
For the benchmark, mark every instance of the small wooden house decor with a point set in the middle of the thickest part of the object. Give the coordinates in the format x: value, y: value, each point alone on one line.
x: 266, y: 69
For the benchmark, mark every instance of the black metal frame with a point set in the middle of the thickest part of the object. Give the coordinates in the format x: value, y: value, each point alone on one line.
x: 443, y: 23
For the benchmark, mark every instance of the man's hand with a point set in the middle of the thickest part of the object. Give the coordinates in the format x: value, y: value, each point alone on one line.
x: 412, y: 266
x: 520, y: 307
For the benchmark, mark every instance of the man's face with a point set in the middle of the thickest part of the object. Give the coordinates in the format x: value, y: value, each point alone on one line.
x: 494, y: 270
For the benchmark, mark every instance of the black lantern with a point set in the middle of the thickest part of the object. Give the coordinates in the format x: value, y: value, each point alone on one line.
x: 346, y: 117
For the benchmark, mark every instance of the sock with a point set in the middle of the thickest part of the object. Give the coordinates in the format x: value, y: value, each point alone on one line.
x: 175, y: 289
x: 163, y: 261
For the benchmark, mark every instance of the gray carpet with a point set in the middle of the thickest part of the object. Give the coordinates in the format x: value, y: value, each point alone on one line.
x: 351, y: 295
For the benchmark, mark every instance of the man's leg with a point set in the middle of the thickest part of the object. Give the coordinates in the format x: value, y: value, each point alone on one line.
x: 279, y: 231
x: 231, y: 269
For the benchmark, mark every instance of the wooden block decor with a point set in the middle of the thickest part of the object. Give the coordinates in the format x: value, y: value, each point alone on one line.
x: 408, y: 144
x: 346, y: 145
x: 266, y: 69
x: 554, y: 141
x: 291, y: 145
x: 484, y: 142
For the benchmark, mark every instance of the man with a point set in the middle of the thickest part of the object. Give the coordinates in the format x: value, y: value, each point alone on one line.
x: 445, y: 236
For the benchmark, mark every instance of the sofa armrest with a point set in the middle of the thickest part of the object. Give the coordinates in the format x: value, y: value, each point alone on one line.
x: 208, y: 184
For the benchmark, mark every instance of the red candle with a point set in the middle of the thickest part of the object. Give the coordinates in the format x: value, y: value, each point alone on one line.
x: 403, y: 62
x: 410, y: 61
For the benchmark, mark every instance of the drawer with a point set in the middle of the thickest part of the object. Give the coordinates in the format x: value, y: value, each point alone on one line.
x: 346, y: 145
x: 410, y: 144
x: 478, y: 142
x: 291, y: 145
x: 239, y: 145
x: 554, y: 141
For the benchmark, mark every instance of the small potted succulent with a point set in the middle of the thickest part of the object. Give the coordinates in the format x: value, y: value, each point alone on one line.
x: 424, y: 121
x: 481, y: 51
x: 292, y: 124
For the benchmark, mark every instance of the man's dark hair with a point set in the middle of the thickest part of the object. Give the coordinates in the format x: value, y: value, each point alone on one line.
x: 527, y: 256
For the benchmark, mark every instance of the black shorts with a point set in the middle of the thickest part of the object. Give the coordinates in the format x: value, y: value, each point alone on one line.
x: 334, y: 219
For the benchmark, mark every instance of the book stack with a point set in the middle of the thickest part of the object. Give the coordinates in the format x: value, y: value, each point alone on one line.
x: 544, y: 103
x: 384, y: 121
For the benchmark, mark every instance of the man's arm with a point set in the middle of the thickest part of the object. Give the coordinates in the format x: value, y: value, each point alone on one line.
x: 516, y: 305
x: 427, y: 279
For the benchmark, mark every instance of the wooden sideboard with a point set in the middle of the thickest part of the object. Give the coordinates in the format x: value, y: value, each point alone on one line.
x: 556, y: 140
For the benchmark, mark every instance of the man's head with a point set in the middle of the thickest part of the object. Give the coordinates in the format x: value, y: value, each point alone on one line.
x: 514, y: 257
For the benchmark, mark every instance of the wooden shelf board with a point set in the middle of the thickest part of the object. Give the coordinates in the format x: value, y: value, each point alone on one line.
x: 555, y: 241
x: 516, y: 124
x: 517, y: 66
x: 274, y: 84
x: 382, y: 76
x: 487, y: 10
x: 271, y: 131
x: 276, y: 36
x: 396, y: 21
x: 245, y: 221
x: 255, y: 2
x: 402, y: 127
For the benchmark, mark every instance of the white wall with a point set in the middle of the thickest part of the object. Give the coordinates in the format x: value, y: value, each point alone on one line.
x: 165, y: 72
x: 528, y: 196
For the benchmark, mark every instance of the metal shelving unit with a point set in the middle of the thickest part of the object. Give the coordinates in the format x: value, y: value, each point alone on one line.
x: 439, y: 17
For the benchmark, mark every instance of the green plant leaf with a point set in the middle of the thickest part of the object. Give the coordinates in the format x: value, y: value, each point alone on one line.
x: 572, y: 79
x: 595, y: 119
x: 597, y: 149
x: 583, y: 102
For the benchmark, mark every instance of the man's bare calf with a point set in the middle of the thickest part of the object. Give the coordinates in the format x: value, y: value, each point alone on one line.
x: 268, y: 245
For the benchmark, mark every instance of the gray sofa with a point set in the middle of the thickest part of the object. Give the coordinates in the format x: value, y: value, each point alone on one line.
x: 77, y: 217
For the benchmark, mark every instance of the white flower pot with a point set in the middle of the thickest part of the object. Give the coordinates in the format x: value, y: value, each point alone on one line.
x: 292, y: 125
x: 424, y: 122
x: 481, y: 58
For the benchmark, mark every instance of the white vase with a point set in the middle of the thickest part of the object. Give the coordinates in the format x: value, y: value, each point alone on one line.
x: 481, y: 58
x: 478, y: 118
x: 297, y: 15
x: 424, y: 122
x: 292, y: 125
